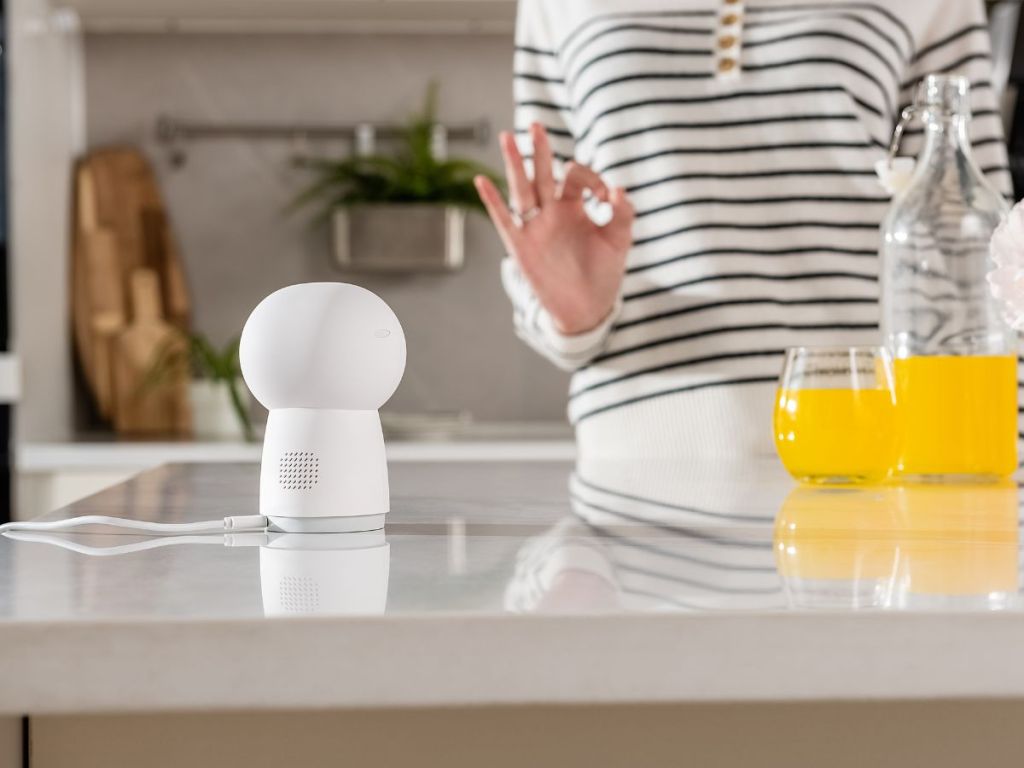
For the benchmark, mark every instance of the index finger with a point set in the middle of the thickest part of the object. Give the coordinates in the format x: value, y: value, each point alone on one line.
x: 579, y: 178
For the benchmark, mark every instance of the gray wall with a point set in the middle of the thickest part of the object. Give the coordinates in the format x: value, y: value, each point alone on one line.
x: 227, y: 202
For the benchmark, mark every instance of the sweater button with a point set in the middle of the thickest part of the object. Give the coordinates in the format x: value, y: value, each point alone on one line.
x: 730, y: 19
x: 726, y: 65
x: 726, y: 41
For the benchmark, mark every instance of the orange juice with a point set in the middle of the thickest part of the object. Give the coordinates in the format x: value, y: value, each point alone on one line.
x: 968, y: 538
x: 956, y: 415
x: 881, y: 545
x: 835, y: 434
x: 839, y: 533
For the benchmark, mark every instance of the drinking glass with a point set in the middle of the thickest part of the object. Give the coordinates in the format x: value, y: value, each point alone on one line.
x: 835, y: 415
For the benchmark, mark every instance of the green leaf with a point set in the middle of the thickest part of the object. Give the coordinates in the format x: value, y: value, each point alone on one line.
x: 240, y: 410
x: 411, y: 175
x: 194, y: 353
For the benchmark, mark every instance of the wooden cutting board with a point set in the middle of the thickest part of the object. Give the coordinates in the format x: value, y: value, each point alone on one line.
x: 120, y: 227
x: 107, y: 310
x: 143, y: 405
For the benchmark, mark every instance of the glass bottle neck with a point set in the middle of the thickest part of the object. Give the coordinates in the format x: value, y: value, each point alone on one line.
x: 946, y: 136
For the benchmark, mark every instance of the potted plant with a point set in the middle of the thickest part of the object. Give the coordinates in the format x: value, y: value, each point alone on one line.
x: 403, y: 211
x: 218, y: 397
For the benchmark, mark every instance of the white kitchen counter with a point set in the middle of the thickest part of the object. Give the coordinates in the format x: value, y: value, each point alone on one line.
x: 54, y: 474
x: 507, y: 582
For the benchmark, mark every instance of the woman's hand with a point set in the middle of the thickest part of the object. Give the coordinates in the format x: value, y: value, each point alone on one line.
x: 573, y: 265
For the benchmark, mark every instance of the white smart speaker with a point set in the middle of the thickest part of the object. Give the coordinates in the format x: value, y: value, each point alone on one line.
x: 322, y: 358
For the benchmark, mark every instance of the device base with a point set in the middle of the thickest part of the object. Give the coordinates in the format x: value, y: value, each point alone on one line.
x: 351, y: 524
x: 324, y: 464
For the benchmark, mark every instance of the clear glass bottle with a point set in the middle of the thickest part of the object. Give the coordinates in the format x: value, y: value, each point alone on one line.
x: 955, y: 364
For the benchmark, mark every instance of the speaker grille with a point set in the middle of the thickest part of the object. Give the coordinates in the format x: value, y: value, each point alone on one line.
x: 298, y: 470
x: 299, y: 594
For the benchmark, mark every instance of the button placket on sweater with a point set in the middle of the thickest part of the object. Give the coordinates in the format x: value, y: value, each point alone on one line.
x: 728, y: 45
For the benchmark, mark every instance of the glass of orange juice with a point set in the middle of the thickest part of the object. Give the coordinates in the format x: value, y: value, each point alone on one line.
x: 835, y: 415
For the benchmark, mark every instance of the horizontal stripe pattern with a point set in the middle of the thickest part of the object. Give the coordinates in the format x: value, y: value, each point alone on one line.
x: 758, y: 209
x: 698, y: 537
x: 681, y: 554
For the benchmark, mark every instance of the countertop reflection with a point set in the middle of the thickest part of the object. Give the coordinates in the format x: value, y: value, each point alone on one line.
x: 521, y: 538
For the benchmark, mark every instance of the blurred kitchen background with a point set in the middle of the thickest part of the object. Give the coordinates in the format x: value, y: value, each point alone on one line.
x: 159, y: 77
x: 92, y: 74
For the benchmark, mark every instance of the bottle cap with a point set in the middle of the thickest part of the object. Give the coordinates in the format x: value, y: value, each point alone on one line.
x: 950, y: 94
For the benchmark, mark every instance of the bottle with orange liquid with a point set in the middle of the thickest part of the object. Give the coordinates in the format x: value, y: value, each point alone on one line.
x: 954, y: 360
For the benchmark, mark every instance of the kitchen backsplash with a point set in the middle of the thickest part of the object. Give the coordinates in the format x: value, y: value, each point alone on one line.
x: 228, y: 201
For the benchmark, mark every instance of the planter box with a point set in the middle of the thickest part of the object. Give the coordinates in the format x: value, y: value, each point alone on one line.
x: 213, y: 413
x: 413, y: 237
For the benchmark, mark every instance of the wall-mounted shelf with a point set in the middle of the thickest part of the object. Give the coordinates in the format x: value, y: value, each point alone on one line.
x: 174, y: 133
x: 296, y: 16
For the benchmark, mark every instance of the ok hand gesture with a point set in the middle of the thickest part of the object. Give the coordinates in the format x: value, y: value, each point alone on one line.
x: 574, y: 266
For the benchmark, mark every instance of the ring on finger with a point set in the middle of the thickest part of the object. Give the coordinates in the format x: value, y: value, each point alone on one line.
x: 525, y: 217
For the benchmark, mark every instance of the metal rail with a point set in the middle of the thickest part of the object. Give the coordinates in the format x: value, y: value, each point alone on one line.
x: 170, y: 130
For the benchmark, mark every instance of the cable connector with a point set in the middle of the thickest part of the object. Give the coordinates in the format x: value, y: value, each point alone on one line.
x: 245, y: 523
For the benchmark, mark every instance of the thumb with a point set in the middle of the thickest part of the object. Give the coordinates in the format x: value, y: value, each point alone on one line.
x: 622, y: 208
x: 619, y: 231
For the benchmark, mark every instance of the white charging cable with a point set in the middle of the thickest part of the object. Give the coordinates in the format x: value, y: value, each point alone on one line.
x: 236, y: 523
x: 117, y: 549
x: 243, y: 539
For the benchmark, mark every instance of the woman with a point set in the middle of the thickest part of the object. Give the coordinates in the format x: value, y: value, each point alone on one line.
x: 735, y: 144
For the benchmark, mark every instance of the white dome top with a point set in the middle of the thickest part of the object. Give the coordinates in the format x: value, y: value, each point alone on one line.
x: 328, y: 346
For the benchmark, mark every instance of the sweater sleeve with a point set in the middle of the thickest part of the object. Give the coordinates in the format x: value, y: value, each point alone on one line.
x: 541, y: 96
x: 956, y: 41
x: 533, y: 324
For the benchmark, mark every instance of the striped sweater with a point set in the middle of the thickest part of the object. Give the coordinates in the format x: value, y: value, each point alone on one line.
x: 746, y: 133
